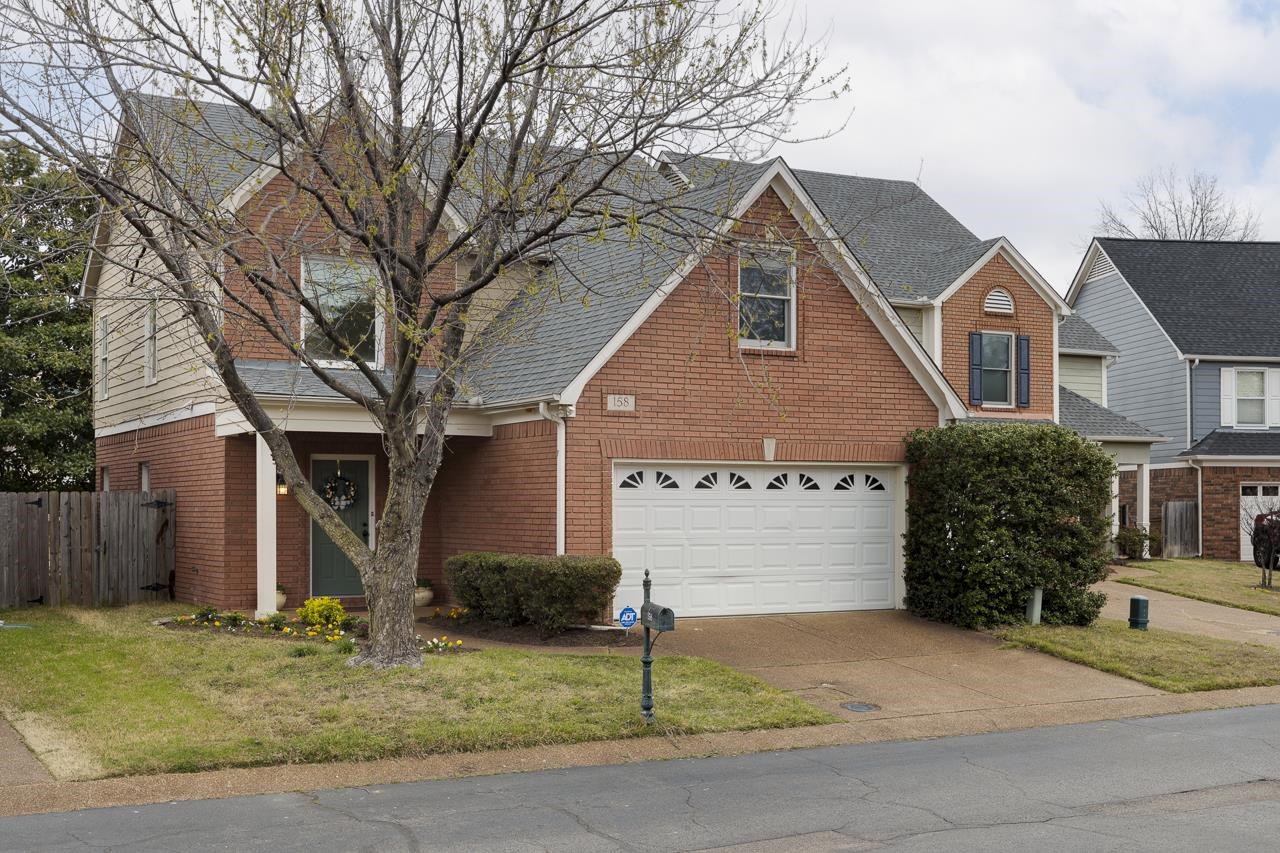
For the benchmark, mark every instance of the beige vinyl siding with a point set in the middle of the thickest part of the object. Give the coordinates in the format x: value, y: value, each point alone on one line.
x: 123, y: 297
x: 914, y: 320
x: 1084, y: 374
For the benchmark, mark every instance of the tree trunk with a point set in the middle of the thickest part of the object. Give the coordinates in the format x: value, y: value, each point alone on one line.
x: 389, y: 578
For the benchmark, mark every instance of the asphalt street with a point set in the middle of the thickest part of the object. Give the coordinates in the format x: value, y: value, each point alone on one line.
x: 1197, y: 782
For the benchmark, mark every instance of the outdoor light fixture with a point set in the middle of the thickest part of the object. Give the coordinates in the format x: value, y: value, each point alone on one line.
x: 282, y: 488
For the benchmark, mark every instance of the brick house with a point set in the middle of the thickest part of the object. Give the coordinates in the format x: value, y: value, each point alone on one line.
x: 746, y: 449
x: 1199, y: 362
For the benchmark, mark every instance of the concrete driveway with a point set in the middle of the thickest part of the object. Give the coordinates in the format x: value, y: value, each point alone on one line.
x: 905, y: 665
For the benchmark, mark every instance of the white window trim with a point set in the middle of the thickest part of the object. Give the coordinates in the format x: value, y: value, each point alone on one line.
x: 379, y: 319
x: 104, y: 358
x: 777, y: 346
x: 150, y: 344
x: 1011, y: 371
x: 144, y: 476
x: 1229, y: 410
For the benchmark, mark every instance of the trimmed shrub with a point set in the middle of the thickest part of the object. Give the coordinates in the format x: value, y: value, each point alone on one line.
x: 322, y: 610
x: 996, y: 510
x: 550, y: 593
x: 1132, y: 542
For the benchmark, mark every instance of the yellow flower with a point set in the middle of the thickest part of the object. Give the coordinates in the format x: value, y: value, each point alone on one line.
x: 217, y: 624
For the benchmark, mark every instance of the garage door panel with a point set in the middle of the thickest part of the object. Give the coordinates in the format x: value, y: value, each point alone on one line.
x: 804, y: 545
x: 705, y: 519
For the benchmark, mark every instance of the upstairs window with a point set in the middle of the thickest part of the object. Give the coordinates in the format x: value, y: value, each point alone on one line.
x: 766, y: 298
x: 1251, y: 398
x: 345, y: 293
x: 999, y: 369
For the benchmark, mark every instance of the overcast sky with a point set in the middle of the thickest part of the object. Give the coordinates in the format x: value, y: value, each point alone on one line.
x: 1018, y: 116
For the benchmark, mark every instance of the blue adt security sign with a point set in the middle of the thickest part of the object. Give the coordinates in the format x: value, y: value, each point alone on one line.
x: 627, y: 617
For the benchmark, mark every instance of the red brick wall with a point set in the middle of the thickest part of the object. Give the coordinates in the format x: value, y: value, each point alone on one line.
x: 188, y: 457
x: 1222, y: 506
x: 495, y: 494
x: 962, y: 313
x: 843, y: 395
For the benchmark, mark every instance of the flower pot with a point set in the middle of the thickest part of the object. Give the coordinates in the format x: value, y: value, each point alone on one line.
x: 279, y: 600
x: 422, y: 596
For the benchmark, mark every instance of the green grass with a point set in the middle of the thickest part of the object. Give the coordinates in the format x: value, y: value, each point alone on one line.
x: 143, y: 699
x: 1214, y: 581
x: 1168, y: 660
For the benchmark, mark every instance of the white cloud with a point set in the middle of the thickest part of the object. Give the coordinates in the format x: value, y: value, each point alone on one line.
x: 1019, y: 117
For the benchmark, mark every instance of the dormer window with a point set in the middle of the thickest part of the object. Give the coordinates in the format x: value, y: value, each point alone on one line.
x: 998, y: 301
x: 344, y: 293
x: 766, y: 298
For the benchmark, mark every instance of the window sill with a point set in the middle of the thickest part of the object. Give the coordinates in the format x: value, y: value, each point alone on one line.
x: 764, y: 349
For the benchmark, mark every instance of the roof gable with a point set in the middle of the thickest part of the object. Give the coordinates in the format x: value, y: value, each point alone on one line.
x: 1210, y: 297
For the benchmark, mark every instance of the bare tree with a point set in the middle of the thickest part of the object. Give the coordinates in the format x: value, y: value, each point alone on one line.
x: 444, y: 143
x: 1168, y: 205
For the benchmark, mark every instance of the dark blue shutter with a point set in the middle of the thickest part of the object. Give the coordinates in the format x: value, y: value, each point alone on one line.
x: 1024, y: 371
x: 975, y: 368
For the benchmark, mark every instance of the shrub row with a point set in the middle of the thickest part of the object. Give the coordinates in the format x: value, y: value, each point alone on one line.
x: 550, y: 593
x: 998, y: 509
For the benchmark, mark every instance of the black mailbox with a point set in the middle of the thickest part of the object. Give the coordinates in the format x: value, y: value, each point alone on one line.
x: 657, y: 617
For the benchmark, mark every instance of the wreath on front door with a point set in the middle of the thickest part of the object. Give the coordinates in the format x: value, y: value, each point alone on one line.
x: 339, y: 492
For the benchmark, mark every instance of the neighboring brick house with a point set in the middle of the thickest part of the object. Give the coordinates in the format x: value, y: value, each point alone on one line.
x: 1195, y: 323
x: 759, y: 470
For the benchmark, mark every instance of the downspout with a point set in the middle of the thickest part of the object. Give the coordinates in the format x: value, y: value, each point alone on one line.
x: 1191, y: 431
x: 547, y: 413
x: 1199, y: 505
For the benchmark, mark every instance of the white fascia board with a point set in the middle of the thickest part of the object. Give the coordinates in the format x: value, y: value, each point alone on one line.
x: 886, y: 319
x: 1089, y: 352
x: 1246, y: 359
x: 301, y: 414
x: 93, y: 266
x: 1086, y: 264
x: 195, y: 410
x: 1235, y: 461
x: 1127, y: 439
x: 1021, y: 265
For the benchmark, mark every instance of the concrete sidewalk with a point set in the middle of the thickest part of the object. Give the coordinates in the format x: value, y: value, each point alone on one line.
x: 1175, y: 613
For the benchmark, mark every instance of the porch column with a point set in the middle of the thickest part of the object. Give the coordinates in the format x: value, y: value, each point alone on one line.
x: 265, y: 494
x: 1115, y: 509
x: 1144, y: 500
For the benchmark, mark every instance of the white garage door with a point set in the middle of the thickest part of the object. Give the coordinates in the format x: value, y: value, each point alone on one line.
x: 1255, y: 499
x: 728, y: 539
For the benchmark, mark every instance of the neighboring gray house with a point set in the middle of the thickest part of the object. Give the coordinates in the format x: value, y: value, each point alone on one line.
x: 1196, y: 324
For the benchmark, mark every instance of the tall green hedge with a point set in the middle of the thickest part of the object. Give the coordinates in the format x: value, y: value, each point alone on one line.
x: 995, y: 510
x: 550, y: 593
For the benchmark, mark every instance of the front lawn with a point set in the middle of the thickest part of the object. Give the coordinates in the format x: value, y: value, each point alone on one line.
x: 1215, y: 581
x: 1168, y: 660
x: 139, y: 699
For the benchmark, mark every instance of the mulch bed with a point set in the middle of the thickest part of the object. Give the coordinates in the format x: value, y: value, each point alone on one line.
x: 527, y: 635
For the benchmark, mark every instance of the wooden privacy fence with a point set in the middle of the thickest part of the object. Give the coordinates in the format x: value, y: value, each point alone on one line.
x: 86, y: 548
x: 1180, y: 529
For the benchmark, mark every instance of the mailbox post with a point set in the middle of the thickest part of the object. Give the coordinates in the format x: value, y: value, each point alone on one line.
x: 654, y: 617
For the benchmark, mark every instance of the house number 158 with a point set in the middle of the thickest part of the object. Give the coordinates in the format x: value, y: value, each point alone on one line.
x: 620, y: 402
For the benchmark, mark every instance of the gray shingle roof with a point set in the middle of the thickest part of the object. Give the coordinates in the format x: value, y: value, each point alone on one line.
x: 1212, y: 298
x: 1076, y: 335
x: 1231, y: 442
x: 211, y: 148
x: 908, y: 243
x: 540, y: 342
x: 1093, y: 421
x: 294, y: 380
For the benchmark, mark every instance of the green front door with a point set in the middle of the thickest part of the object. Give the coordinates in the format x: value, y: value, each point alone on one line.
x: 332, y: 573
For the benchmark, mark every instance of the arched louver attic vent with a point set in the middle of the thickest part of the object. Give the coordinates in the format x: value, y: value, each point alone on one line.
x: 998, y: 301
